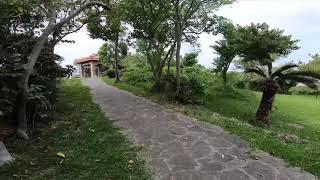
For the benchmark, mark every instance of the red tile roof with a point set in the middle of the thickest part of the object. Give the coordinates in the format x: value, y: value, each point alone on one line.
x: 92, y: 57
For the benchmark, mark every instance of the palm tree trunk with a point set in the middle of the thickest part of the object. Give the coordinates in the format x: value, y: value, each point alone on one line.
x: 270, y: 88
x: 224, y: 77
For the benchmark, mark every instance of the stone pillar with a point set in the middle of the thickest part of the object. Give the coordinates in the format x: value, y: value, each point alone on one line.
x: 92, y: 70
x: 80, y: 70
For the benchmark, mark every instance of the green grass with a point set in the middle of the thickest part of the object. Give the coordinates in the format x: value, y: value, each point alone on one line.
x: 93, y: 147
x: 233, y: 108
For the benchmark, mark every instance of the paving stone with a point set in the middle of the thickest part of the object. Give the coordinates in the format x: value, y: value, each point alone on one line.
x: 236, y: 140
x: 213, y: 167
x: 222, y: 157
x: 234, y: 174
x: 219, y: 142
x: 159, y: 165
x: 178, y: 147
x: 260, y: 171
x: 195, y: 128
x: 188, y: 140
x: 174, y: 147
x: 200, y: 149
x: 154, y: 152
x: 178, y: 130
x: 181, y: 162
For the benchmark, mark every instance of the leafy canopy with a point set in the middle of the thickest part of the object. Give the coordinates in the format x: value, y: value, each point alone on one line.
x: 258, y: 42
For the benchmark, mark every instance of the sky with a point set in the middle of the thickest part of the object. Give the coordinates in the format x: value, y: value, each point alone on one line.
x: 300, y: 18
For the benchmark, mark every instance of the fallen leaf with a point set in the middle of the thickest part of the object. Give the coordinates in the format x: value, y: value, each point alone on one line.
x: 60, y: 154
x: 91, y: 130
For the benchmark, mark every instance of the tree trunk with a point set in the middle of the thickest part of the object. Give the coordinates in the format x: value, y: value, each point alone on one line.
x: 178, y: 66
x: 270, y: 88
x: 23, y: 95
x: 224, y: 77
x: 170, y: 57
x: 116, y: 58
x: 158, y: 85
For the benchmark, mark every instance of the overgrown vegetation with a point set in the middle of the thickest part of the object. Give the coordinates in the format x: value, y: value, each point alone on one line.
x: 92, y: 146
x: 29, y: 30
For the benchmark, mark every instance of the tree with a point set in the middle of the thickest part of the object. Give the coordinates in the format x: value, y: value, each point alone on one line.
x: 190, y: 59
x: 190, y: 19
x: 261, y: 46
x: 153, y: 29
x: 105, y: 54
x: 110, y: 27
x: 226, y: 49
x: 313, y: 64
x: 270, y: 85
x: 48, y: 13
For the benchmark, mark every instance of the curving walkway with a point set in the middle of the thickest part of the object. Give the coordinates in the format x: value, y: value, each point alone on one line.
x: 177, y: 147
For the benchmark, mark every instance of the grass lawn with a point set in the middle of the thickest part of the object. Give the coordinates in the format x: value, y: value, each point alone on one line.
x: 233, y: 108
x: 93, y: 147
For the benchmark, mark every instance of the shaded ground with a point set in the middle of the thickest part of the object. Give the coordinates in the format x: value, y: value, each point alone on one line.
x: 93, y: 147
x: 177, y: 147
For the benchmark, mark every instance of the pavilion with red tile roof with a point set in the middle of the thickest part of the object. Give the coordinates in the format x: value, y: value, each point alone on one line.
x: 88, y: 66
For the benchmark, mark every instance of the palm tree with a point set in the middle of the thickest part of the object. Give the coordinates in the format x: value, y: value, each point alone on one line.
x: 270, y: 86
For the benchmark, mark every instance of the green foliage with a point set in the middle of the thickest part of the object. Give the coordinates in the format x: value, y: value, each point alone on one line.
x: 94, y: 147
x: 138, y: 75
x: 313, y: 65
x: 258, y: 42
x: 190, y: 59
x: 226, y: 49
x: 111, y: 73
x: 303, y: 90
x: 41, y: 94
x: 135, y: 61
x: 153, y: 30
x: 138, y: 70
x: 194, y: 82
x: 105, y: 54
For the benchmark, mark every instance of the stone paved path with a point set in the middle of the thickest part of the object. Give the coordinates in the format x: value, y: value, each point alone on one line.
x: 177, y: 147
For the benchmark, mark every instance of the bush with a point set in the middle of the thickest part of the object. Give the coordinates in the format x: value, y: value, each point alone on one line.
x: 194, y: 82
x: 303, y: 90
x: 111, y: 73
x: 42, y: 82
x: 135, y: 61
x: 138, y: 75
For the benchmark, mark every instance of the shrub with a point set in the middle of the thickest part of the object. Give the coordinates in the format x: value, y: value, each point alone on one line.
x: 138, y: 75
x: 135, y: 61
x: 42, y: 82
x: 303, y: 90
x: 111, y: 73
x: 194, y: 82
x: 190, y: 59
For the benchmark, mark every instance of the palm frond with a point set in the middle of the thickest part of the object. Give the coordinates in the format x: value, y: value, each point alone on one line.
x: 311, y: 74
x: 308, y: 81
x: 256, y: 71
x: 283, y: 68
